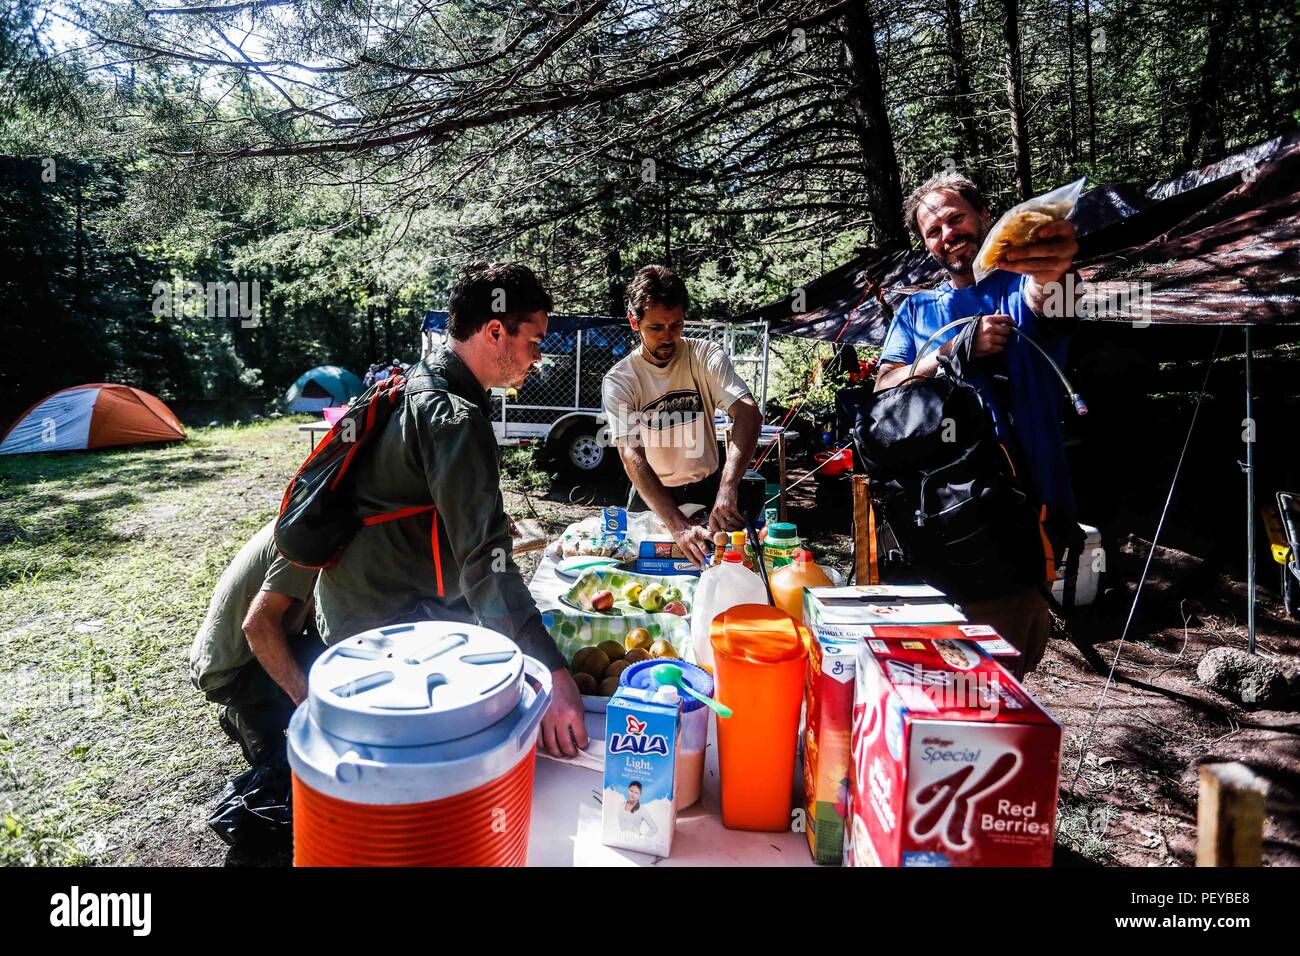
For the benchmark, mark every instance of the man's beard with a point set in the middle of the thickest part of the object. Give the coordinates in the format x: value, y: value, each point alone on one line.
x: 663, y: 353
x: 963, y: 261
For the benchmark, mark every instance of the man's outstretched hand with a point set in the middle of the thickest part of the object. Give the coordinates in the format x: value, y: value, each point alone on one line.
x: 564, y: 731
x: 1048, y: 258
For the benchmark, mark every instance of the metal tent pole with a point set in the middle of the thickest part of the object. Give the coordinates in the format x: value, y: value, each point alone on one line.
x: 1250, y: 503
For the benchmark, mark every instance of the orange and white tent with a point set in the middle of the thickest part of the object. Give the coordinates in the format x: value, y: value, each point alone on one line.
x: 91, y: 416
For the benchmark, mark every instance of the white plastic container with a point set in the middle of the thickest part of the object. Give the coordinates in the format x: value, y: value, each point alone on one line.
x: 1090, y: 560
x: 721, y: 588
x: 416, y: 747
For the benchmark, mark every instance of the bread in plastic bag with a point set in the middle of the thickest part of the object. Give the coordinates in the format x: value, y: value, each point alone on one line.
x: 1019, y: 225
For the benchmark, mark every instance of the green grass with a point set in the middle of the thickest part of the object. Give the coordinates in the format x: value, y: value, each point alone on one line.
x: 107, y: 559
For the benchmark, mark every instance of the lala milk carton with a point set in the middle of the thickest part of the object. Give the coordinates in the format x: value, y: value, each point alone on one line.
x: 953, y: 762
x: 642, y: 736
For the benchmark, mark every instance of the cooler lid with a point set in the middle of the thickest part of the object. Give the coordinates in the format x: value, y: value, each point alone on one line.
x: 415, y: 684
x: 759, y: 633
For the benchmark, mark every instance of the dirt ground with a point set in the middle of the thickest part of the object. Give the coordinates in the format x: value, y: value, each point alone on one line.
x: 109, y: 757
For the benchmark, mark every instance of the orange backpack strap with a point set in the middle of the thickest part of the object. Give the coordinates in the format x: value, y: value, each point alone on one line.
x: 1048, y: 554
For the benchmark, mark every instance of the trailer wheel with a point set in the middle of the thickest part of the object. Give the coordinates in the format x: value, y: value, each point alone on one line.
x: 583, y: 451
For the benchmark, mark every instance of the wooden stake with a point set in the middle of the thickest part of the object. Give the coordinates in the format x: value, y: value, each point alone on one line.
x: 865, y: 570
x: 1230, y: 816
x: 780, y: 463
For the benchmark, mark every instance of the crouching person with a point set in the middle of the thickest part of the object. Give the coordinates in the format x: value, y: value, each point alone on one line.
x: 251, y: 656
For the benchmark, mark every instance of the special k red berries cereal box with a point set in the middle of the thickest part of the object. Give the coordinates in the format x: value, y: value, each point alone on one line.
x: 953, y: 763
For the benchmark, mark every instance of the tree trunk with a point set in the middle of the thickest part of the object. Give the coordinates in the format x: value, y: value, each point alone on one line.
x: 78, y: 296
x: 1015, y: 98
x: 370, y: 333
x: 1087, y: 66
x: 1069, y: 80
x: 1264, y: 76
x: 1205, y: 110
x: 867, y: 98
x: 963, y: 106
x: 388, y: 332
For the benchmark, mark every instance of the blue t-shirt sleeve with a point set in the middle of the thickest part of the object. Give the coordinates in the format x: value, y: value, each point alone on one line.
x: 900, y: 340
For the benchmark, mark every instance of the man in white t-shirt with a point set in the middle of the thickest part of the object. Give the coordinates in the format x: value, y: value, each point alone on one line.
x: 660, y: 401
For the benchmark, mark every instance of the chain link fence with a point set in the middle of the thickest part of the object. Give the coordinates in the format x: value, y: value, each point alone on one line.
x: 574, y: 366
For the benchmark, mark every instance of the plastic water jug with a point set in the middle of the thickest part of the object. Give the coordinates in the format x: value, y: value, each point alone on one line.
x: 415, y: 747
x: 720, y: 589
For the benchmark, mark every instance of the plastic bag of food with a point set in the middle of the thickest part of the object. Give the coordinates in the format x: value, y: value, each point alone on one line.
x: 1019, y: 225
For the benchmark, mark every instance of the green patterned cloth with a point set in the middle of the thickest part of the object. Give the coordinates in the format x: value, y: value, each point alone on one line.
x: 572, y: 631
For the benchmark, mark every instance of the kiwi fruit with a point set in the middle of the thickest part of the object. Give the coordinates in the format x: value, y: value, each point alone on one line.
x: 608, y: 686
x: 613, y: 649
x: 615, y: 668
x: 579, y: 662
x: 596, y: 662
x: 586, y: 683
x: 636, y: 655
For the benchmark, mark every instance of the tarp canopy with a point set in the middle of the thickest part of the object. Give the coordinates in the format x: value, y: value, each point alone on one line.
x: 559, y: 323
x: 91, y: 416
x: 321, y: 387
x: 1219, y: 245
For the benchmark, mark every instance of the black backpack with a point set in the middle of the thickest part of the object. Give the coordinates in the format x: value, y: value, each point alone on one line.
x: 318, y: 514
x: 948, y: 488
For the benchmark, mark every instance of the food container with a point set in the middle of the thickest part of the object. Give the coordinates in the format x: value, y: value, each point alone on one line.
x: 780, y: 544
x: 953, y: 762
x: 759, y: 659
x: 694, y: 727
x: 415, y: 747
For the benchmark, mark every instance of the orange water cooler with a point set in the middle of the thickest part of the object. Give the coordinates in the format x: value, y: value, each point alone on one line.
x: 415, y: 747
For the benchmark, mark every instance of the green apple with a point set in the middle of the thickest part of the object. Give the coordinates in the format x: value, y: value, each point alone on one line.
x: 652, y: 598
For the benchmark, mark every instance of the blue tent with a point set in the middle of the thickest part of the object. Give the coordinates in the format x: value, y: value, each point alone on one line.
x: 323, y: 386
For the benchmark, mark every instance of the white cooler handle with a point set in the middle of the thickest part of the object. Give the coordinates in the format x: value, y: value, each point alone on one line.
x: 541, y: 701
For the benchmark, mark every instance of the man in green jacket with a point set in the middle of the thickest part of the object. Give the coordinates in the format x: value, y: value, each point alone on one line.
x: 453, y: 563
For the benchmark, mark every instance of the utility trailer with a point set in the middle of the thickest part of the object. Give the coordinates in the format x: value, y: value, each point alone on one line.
x: 560, y: 406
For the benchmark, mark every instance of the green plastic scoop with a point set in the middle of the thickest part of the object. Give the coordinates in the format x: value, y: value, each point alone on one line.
x: 671, y: 675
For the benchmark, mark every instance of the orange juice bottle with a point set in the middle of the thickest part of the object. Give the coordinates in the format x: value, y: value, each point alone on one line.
x: 789, y: 581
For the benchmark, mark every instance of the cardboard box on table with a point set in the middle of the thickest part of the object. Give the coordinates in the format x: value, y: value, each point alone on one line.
x: 835, y: 617
x: 953, y: 762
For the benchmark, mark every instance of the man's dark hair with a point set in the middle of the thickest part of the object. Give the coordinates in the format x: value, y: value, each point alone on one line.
x: 506, y: 291
x: 947, y: 181
x: 657, y: 284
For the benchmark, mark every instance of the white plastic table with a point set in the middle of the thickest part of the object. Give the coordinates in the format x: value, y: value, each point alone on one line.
x: 565, y: 828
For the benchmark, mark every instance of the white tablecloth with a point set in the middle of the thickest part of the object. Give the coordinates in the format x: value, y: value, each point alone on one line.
x: 565, y: 828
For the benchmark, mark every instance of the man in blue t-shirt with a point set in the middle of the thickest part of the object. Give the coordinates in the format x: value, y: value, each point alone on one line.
x: 951, y: 218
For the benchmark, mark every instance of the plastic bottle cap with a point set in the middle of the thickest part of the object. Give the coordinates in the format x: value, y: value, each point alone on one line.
x: 783, y: 529
x: 733, y: 557
x: 666, y: 694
